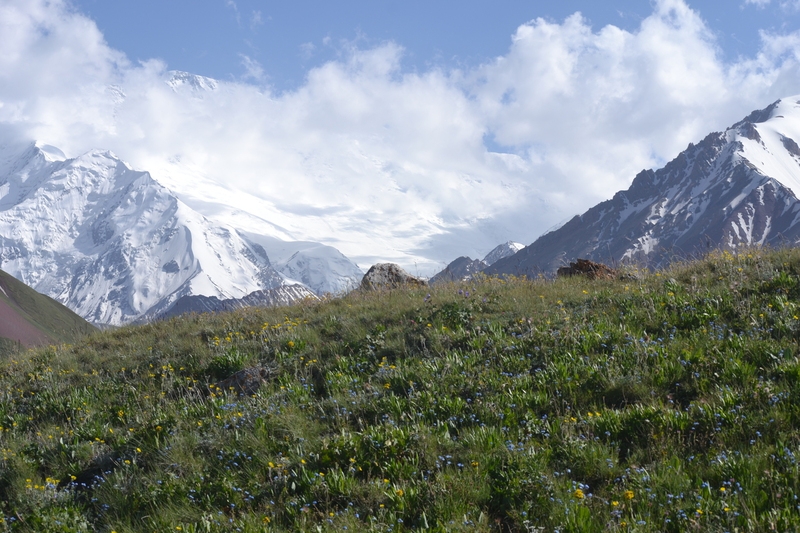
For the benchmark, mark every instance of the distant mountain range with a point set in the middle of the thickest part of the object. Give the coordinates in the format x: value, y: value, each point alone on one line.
x: 738, y: 187
x: 279, y: 296
x: 114, y: 245
x: 28, y: 318
x: 466, y: 267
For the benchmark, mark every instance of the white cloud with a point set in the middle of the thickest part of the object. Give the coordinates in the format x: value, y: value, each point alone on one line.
x: 232, y: 5
x: 256, y: 20
x: 252, y: 69
x: 384, y: 163
x: 307, y: 50
x: 786, y: 5
x: 614, y: 97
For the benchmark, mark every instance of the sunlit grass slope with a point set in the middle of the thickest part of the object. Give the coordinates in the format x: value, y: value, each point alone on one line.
x: 668, y: 402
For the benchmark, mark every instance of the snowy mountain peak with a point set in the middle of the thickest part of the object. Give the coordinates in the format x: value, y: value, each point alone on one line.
x: 116, y: 246
x: 113, y: 244
x: 503, y: 250
x: 324, y: 269
x: 50, y: 153
x: 768, y: 141
x: 179, y: 80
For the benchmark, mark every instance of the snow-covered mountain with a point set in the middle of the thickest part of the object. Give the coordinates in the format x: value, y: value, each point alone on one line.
x: 111, y: 243
x: 323, y: 269
x: 738, y: 187
x: 465, y: 267
x: 502, y: 251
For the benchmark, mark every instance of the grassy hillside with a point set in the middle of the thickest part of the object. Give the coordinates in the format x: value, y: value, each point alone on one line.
x: 664, y: 403
x: 34, y: 318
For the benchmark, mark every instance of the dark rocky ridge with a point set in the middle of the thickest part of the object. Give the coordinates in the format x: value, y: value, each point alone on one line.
x: 460, y: 269
x: 279, y: 296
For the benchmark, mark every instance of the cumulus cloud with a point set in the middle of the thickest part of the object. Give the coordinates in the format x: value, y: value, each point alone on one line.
x: 621, y: 100
x: 418, y: 167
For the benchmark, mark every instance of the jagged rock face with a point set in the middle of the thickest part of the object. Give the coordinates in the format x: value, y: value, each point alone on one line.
x: 731, y: 189
x: 388, y: 276
x: 460, y: 269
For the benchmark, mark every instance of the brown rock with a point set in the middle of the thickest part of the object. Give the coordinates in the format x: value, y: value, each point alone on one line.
x: 389, y: 276
x: 590, y: 269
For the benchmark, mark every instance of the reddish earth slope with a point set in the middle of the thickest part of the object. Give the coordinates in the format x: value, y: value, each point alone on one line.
x: 16, y: 328
x: 28, y: 318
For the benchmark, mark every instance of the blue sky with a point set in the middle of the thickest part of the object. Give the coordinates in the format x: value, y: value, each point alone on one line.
x: 411, y: 131
x: 285, y: 39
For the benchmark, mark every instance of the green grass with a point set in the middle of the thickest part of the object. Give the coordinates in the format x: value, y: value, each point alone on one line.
x: 661, y: 402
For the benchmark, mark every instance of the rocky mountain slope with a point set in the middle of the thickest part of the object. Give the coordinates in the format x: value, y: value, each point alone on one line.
x: 457, y: 270
x: 738, y: 187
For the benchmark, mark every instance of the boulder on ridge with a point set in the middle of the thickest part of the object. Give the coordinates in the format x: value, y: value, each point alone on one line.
x: 389, y: 276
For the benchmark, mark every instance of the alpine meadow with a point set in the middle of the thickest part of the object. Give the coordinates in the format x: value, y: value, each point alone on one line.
x: 393, y: 267
x: 663, y: 401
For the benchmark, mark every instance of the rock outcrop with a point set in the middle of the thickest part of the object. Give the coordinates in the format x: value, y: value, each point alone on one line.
x: 590, y: 269
x: 389, y: 276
